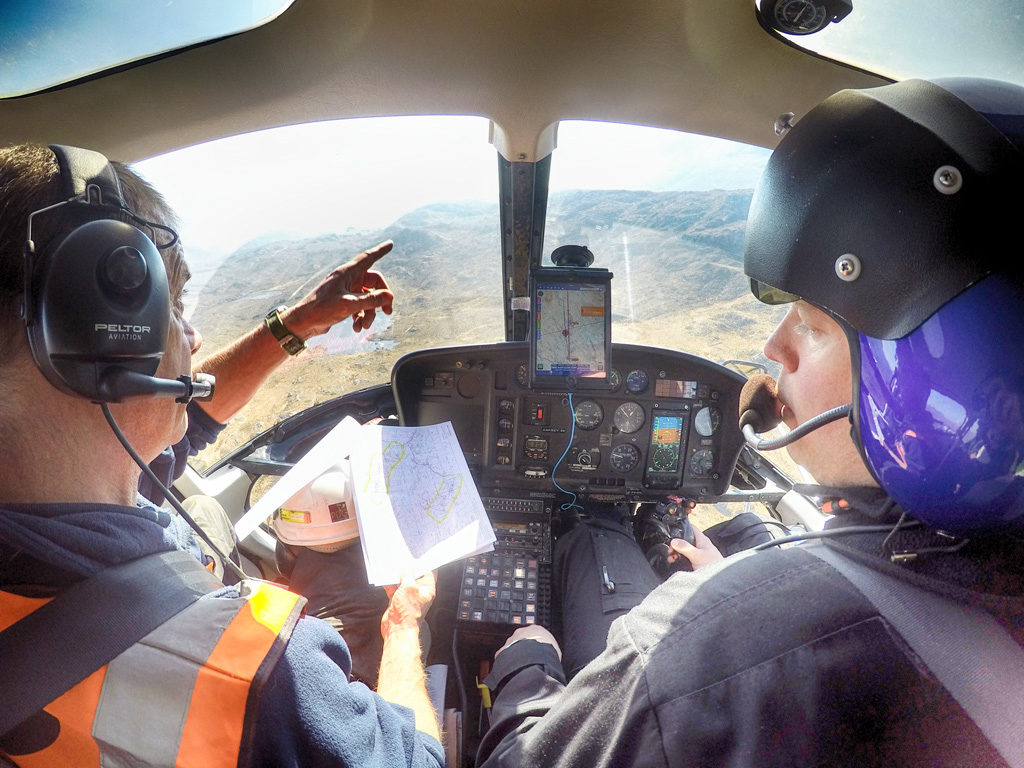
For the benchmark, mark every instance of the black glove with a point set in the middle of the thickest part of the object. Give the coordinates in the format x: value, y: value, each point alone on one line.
x: 656, y: 527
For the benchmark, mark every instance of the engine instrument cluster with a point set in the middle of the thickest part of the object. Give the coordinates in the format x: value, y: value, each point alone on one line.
x: 665, y: 423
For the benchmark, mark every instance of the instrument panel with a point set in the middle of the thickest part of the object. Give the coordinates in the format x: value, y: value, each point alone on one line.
x: 665, y: 423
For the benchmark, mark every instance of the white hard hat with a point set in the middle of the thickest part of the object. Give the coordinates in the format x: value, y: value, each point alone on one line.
x: 320, y: 514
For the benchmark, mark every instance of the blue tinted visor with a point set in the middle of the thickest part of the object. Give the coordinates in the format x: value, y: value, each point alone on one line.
x: 1002, y: 104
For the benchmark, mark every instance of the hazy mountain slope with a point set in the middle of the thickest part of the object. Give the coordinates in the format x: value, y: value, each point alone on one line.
x: 691, y: 241
x: 676, y: 257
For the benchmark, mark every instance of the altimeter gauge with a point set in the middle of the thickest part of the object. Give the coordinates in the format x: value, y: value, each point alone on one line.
x: 625, y: 457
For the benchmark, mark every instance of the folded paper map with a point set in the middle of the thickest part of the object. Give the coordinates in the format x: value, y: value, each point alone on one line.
x: 416, y: 503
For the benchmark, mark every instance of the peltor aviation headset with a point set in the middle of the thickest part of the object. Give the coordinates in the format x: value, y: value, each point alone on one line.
x: 97, y: 305
x: 96, y: 302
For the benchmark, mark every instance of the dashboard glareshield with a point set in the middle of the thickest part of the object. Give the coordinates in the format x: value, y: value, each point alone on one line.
x: 678, y: 434
x: 570, y: 327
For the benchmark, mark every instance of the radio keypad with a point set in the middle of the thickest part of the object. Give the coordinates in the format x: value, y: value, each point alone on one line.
x: 501, y: 588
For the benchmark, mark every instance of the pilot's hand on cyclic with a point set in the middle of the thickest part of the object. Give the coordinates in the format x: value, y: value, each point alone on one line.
x: 531, y: 632
x: 702, y: 552
x: 408, y: 602
x: 351, y: 290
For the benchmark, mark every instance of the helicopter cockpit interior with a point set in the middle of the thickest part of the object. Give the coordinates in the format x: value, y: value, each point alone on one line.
x: 566, y: 185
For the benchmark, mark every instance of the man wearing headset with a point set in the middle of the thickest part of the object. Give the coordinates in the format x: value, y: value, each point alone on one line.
x: 884, y: 217
x: 238, y: 676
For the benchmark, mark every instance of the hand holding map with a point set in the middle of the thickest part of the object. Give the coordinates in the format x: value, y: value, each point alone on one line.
x: 416, y: 503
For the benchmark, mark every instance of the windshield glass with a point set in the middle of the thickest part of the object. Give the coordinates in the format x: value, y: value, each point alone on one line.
x: 265, y: 216
x: 665, y: 212
x: 48, y: 42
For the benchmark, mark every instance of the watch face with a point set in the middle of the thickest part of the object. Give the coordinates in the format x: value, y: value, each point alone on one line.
x: 293, y: 345
x: 289, y: 342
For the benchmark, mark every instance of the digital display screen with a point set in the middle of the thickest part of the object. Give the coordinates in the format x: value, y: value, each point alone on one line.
x: 674, y: 388
x: 666, y: 443
x: 570, y: 329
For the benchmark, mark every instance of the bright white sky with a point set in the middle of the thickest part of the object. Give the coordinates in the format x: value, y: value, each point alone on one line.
x: 364, y: 174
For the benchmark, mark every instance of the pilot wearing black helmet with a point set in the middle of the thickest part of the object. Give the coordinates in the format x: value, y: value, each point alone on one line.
x: 884, y: 217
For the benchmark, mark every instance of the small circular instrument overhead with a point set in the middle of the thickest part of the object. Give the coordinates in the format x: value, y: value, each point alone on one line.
x: 803, y: 17
x: 629, y: 417
x: 588, y: 414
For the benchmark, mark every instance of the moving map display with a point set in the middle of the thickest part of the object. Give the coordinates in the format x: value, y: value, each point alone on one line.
x: 571, y: 330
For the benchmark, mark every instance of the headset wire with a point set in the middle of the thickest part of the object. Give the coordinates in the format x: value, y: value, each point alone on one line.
x: 228, y: 562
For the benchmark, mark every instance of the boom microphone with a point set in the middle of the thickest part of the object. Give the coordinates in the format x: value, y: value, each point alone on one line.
x: 761, y: 411
x: 120, y: 383
x: 759, y: 403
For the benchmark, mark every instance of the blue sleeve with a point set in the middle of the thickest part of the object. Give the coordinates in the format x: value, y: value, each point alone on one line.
x: 202, y: 430
x: 310, y: 714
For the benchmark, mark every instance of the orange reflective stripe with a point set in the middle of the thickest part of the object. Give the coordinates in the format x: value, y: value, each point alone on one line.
x: 75, y: 711
x: 215, y: 721
x: 213, y: 731
x: 74, y: 744
x: 14, y: 607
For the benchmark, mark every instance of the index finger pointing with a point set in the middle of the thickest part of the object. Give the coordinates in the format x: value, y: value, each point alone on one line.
x: 371, y: 256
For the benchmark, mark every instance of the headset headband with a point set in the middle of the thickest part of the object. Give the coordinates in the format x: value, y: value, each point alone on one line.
x: 82, y: 169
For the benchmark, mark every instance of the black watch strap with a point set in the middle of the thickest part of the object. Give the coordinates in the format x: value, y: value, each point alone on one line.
x: 291, y: 343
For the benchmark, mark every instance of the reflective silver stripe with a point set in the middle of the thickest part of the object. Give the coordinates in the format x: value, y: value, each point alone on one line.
x: 147, y: 689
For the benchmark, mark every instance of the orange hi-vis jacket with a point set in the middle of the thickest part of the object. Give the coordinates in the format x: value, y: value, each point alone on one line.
x: 181, y: 696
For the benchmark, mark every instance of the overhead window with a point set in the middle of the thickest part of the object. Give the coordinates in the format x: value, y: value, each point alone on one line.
x: 46, y: 43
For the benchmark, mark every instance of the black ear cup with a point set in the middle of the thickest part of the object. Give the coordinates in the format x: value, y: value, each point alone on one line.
x: 97, y: 305
x: 101, y: 301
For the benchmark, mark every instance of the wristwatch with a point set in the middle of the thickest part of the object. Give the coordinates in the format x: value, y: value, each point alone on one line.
x: 289, y: 342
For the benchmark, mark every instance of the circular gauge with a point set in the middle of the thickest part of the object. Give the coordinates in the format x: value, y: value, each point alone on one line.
x: 614, y: 380
x: 798, y: 17
x: 588, y: 414
x: 702, y: 462
x: 707, y: 420
x: 523, y: 375
x: 624, y: 457
x: 637, y: 381
x: 665, y: 458
x: 629, y: 417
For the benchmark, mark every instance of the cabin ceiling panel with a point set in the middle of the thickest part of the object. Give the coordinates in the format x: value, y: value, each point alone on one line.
x: 698, y: 65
